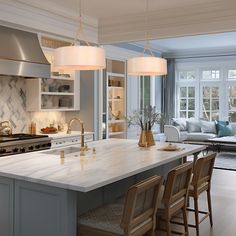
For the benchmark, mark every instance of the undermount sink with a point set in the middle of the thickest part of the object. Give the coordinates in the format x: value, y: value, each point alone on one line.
x: 67, y: 151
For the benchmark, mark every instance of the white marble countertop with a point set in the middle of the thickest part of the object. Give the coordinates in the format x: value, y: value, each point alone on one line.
x: 115, y: 159
x: 65, y: 135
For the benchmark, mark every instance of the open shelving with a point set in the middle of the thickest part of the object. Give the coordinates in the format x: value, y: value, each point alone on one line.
x: 60, y: 92
x: 116, y: 99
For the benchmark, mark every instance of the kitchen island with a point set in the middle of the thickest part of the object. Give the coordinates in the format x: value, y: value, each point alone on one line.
x: 42, y: 193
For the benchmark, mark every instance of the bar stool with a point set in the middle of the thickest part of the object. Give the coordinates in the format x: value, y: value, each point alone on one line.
x: 174, y: 198
x: 136, y: 217
x: 201, y: 182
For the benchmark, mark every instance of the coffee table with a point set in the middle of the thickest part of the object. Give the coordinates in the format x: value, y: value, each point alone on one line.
x: 223, y: 141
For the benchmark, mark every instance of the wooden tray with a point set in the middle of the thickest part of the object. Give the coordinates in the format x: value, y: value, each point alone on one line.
x: 171, y: 149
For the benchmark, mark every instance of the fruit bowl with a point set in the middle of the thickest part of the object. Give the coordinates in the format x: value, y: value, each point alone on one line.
x: 49, y: 130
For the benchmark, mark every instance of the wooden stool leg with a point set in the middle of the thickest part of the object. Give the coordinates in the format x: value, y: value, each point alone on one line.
x: 209, y: 206
x: 185, y: 221
x: 196, y: 211
x: 158, y: 222
x: 151, y: 233
x: 168, y: 231
x: 167, y: 222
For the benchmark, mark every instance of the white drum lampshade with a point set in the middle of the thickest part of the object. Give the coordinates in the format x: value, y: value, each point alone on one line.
x: 79, y: 58
x: 148, y: 65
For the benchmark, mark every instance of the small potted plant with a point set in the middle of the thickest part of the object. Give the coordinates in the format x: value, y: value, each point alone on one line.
x: 145, y: 119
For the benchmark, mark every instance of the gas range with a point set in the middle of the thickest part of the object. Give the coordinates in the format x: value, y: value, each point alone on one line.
x: 21, y: 143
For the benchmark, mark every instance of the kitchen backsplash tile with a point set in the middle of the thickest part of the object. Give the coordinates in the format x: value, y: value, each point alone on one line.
x: 13, y: 107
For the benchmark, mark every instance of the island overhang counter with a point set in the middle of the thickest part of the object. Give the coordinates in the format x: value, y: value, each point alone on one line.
x: 41, y: 192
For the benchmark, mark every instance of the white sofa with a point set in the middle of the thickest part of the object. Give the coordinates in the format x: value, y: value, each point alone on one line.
x: 192, y: 130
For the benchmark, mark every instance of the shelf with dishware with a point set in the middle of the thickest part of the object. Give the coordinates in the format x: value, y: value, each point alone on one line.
x: 116, y: 121
x: 53, y: 94
x: 115, y: 133
x: 116, y: 128
x: 57, y: 93
x: 116, y: 98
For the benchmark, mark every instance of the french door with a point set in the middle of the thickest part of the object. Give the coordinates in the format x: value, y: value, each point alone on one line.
x: 210, y: 103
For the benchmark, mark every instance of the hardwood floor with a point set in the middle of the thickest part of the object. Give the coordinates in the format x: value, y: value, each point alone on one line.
x: 223, y: 194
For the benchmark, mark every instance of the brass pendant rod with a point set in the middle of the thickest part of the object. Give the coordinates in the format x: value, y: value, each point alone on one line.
x: 147, y: 47
x: 80, y: 29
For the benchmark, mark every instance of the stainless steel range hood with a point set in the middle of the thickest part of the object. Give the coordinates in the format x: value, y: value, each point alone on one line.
x: 21, y: 54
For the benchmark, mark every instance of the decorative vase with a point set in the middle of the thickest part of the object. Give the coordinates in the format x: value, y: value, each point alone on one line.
x: 146, y: 139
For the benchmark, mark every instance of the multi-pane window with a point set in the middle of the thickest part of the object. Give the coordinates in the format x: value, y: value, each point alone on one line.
x: 187, y: 75
x: 186, y: 102
x: 210, y: 75
x: 210, y: 103
x: 231, y: 74
x: 214, y: 86
x: 232, y: 103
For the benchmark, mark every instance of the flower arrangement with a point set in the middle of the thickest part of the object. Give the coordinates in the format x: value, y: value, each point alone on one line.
x: 146, y: 118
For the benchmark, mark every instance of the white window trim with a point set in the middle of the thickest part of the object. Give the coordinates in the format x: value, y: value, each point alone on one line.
x: 223, y: 64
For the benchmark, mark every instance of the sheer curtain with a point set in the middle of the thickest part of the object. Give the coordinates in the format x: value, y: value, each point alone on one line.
x: 168, y: 92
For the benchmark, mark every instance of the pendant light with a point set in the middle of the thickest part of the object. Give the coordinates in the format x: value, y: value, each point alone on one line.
x: 76, y: 57
x: 147, y: 65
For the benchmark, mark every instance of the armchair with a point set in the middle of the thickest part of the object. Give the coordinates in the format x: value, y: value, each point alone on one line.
x: 173, y: 134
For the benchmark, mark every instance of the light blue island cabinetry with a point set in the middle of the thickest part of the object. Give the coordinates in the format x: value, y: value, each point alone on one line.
x: 30, y: 209
x: 6, y: 206
x: 42, y: 194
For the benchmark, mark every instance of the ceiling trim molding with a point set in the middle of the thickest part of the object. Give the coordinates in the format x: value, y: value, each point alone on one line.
x: 26, y: 17
x: 154, y: 50
x: 56, y: 11
x: 184, y: 21
x: 114, y: 52
x: 216, y: 52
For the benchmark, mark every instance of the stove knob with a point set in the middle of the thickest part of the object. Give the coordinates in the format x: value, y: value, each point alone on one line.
x: 15, y: 149
x: 22, y: 150
x: 49, y: 144
x: 31, y: 148
x: 3, y: 150
x: 37, y: 146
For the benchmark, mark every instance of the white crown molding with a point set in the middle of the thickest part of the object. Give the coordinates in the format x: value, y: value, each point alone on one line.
x: 26, y: 17
x: 156, y: 51
x: 188, y: 20
x: 213, y: 52
x: 118, y: 53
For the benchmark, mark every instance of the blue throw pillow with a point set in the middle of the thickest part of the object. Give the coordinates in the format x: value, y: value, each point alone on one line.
x: 220, y: 123
x: 224, y: 130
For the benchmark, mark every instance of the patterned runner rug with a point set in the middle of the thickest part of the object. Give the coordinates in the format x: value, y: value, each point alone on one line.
x: 225, y: 161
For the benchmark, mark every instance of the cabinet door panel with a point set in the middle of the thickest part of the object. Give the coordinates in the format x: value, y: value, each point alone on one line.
x: 43, y: 210
x: 6, y: 206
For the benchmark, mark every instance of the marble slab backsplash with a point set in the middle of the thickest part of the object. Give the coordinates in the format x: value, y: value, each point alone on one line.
x: 13, y: 107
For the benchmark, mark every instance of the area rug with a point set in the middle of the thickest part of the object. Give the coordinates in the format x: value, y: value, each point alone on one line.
x: 225, y: 161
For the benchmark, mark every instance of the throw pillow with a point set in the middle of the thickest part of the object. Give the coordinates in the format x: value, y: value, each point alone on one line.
x: 193, y: 126
x: 208, y: 127
x: 180, y: 123
x: 224, y: 130
x: 220, y: 122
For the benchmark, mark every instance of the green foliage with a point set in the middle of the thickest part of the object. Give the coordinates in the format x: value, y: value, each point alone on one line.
x: 146, y: 118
